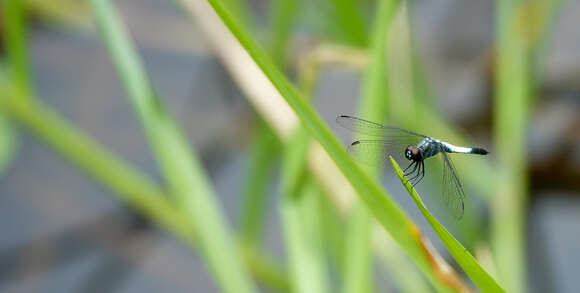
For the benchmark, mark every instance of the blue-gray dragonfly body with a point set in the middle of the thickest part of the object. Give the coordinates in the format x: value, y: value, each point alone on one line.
x: 412, y: 146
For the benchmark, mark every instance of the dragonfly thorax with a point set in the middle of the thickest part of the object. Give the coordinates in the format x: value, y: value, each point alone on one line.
x: 429, y: 147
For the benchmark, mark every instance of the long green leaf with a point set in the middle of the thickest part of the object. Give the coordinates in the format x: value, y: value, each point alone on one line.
x: 130, y: 185
x: 182, y: 169
x: 264, y: 149
x: 511, y: 111
x: 373, y: 106
x: 16, y: 41
x: 471, y: 267
x: 301, y: 223
x: 384, y: 209
x: 521, y: 30
x: 351, y: 21
x: 126, y: 183
x: 283, y: 14
x: 301, y: 219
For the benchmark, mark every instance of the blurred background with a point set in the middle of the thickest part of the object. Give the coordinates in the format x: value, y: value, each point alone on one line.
x: 63, y: 231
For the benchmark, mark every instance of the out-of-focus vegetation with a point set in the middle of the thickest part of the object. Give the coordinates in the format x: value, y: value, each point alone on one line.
x: 332, y: 243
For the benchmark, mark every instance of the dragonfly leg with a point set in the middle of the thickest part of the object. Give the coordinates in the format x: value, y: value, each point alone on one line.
x: 422, y: 173
x: 415, y: 165
x: 408, y: 167
x: 417, y: 173
x: 414, y: 168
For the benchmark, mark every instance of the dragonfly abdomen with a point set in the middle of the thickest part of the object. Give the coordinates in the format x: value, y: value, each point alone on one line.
x: 449, y: 148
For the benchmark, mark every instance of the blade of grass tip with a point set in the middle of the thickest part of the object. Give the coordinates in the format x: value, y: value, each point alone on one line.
x: 263, y: 155
x: 301, y: 220
x: 387, y: 212
x: 413, y: 109
x: 471, y: 267
x: 379, y: 88
x: 183, y: 171
x: 373, y: 106
x: 423, y: 116
x: 471, y: 227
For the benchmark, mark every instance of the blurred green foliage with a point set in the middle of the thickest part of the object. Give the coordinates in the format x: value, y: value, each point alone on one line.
x: 311, y: 224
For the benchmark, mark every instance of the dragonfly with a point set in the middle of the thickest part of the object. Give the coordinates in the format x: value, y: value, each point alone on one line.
x: 414, y: 147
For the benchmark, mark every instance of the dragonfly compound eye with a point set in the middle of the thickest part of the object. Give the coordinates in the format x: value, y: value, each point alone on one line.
x: 408, y: 154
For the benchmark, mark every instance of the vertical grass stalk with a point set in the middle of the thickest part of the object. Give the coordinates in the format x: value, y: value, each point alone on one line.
x: 513, y: 91
x: 187, y: 180
x: 373, y: 106
x: 301, y: 220
x: 255, y: 196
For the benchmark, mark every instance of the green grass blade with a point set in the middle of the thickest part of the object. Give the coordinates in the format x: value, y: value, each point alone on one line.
x: 384, y: 209
x: 513, y: 91
x: 301, y: 223
x: 282, y: 15
x: 16, y: 42
x: 469, y: 264
x: 8, y: 144
x: 266, y: 270
x: 263, y: 155
x: 374, y: 104
x: 350, y: 19
x: 127, y: 183
x: 375, y: 100
x: 301, y: 219
x: 243, y: 12
x: 521, y: 30
x: 359, y: 275
x: 183, y: 171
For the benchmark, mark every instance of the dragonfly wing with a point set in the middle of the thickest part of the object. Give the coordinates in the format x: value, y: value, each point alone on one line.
x: 375, y: 129
x: 376, y: 152
x: 370, y: 152
x: 453, y: 193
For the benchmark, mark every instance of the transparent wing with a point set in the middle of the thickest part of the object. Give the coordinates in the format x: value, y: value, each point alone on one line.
x: 453, y: 194
x: 375, y: 129
x: 393, y: 141
x: 377, y: 152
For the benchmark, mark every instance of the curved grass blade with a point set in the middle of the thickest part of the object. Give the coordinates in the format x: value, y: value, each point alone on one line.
x: 382, y: 206
x: 471, y: 267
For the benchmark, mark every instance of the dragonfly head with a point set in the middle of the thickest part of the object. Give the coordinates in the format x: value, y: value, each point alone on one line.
x: 413, y: 153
